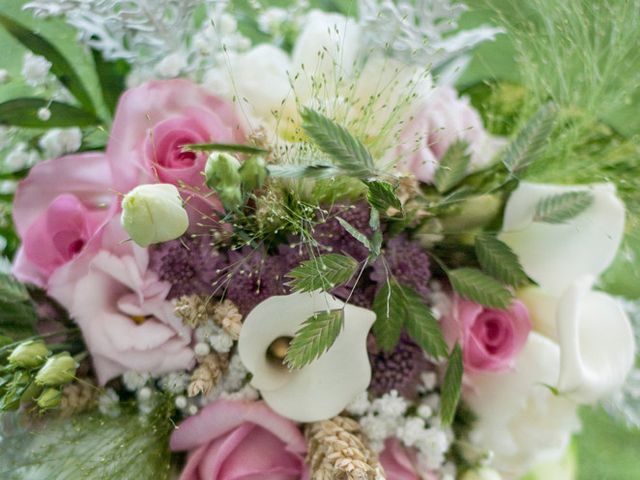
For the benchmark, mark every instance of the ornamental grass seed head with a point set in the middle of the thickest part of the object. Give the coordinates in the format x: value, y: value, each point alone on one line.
x: 154, y: 214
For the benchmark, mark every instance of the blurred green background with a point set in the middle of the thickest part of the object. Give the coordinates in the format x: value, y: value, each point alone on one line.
x: 605, y: 450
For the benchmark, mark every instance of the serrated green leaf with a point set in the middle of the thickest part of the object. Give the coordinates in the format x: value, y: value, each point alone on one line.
x: 314, y: 337
x: 396, y: 306
x: 453, y: 166
x: 11, y: 290
x: 60, y: 66
x: 322, y: 273
x: 479, y: 287
x: 347, y: 152
x: 302, y: 171
x: 562, y: 207
x: 23, y: 112
x: 451, y: 386
x: 221, y: 147
x: 422, y: 326
x: 111, y: 76
x: 382, y: 196
x: 355, y: 233
x: 531, y: 141
x: 390, y: 315
x: 498, y: 260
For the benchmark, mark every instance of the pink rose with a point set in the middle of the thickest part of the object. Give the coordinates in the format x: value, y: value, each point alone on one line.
x: 121, y: 308
x: 151, y: 124
x: 437, y: 124
x: 57, y: 210
x: 240, y: 440
x: 400, y: 463
x: 490, y: 339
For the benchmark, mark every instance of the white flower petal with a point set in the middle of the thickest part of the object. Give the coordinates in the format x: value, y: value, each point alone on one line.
x: 556, y: 255
x: 323, y: 388
x: 596, y: 341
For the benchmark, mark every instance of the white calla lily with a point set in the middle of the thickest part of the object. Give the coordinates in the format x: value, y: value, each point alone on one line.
x: 597, y: 347
x: 324, y: 387
x: 519, y: 419
x: 556, y: 255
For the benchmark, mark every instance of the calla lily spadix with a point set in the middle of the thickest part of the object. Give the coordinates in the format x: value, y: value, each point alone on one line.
x: 323, y: 388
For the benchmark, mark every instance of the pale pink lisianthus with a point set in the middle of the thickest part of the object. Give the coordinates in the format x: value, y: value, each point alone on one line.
x: 151, y: 124
x: 440, y: 121
x: 400, y: 462
x: 240, y: 440
x: 490, y: 339
x: 57, y: 209
x: 121, y: 307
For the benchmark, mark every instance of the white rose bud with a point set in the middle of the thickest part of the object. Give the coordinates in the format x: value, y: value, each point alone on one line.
x: 154, y: 214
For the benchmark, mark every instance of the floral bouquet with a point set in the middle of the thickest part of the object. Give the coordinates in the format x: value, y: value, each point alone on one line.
x: 252, y: 240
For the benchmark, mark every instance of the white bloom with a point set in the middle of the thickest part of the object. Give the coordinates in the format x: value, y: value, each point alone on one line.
x: 175, y: 382
x: 201, y: 349
x: 4, y: 76
x: 44, y: 114
x: 134, y: 380
x: 519, y: 419
x: 154, y: 214
x: 597, y: 347
x: 411, y: 431
x: 432, y: 447
x: 172, y: 65
x: 376, y: 429
x: 181, y: 402
x: 20, y: 157
x: 109, y: 403
x: 482, y: 473
x: 425, y: 411
x: 359, y: 405
x: 35, y: 69
x: 556, y: 255
x: 322, y: 388
x: 221, y: 342
x: 390, y: 405
x: 271, y: 19
x: 59, y: 141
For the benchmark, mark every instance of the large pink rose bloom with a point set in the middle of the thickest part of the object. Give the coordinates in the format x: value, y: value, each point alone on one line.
x: 121, y: 308
x: 240, y: 440
x: 151, y: 124
x: 490, y: 339
x: 400, y: 462
x: 57, y: 210
x: 440, y: 121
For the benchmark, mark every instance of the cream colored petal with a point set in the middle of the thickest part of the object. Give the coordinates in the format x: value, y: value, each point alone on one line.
x: 542, y: 310
x: 556, y: 255
x: 596, y: 341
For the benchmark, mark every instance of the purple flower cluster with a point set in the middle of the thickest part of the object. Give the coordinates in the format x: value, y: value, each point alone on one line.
x: 407, y: 262
x: 333, y: 238
x: 190, y: 265
x: 399, y: 369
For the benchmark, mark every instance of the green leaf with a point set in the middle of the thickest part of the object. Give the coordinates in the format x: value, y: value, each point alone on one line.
x: 355, y: 233
x: 376, y: 245
x: 111, y: 75
x: 479, y: 287
x: 390, y: 315
x: 382, y: 196
x: 302, y: 171
x: 23, y: 112
x: 498, y: 260
x: 562, y: 207
x: 450, y: 392
x: 334, y: 140
x: 396, y: 306
x: 453, y: 166
x: 531, y: 140
x: 11, y: 290
x: 60, y: 66
x: 222, y: 147
x: 88, y: 445
x: 314, y: 337
x: 322, y: 273
x: 422, y: 326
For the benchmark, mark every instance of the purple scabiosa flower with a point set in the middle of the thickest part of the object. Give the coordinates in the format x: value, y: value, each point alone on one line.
x: 399, y: 369
x: 407, y: 262
x: 188, y: 264
x: 332, y: 237
x: 250, y: 276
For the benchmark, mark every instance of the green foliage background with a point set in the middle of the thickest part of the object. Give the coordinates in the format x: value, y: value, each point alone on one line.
x: 605, y: 449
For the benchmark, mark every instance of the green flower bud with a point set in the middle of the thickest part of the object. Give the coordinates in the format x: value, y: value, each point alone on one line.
x: 154, y: 214
x: 222, y: 171
x: 58, y: 370
x: 231, y: 197
x: 49, y: 399
x: 31, y: 392
x: 29, y: 354
x: 253, y: 173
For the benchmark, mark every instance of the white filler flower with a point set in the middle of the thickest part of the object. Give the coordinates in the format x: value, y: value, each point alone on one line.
x: 321, y: 389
